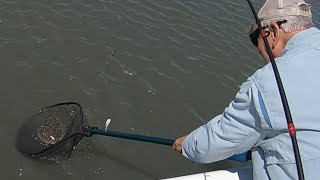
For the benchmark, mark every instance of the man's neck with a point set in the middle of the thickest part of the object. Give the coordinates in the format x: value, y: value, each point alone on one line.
x: 288, y: 36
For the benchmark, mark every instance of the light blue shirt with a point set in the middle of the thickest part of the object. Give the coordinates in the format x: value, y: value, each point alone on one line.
x: 255, y: 119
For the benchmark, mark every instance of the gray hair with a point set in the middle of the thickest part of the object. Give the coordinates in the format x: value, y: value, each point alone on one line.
x: 294, y: 23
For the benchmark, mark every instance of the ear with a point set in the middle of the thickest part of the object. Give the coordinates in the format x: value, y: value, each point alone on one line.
x: 275, y: 34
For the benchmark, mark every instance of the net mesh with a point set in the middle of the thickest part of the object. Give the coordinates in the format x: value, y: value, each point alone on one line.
x: 55, y: 130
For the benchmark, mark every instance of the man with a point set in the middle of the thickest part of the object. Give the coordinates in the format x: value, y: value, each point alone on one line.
x: 255, y: 119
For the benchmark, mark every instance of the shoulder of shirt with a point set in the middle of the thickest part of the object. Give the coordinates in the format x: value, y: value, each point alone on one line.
x: 264, y: 77
x: 262, y: 73
x: 257, y: 76
x: 305, y: 42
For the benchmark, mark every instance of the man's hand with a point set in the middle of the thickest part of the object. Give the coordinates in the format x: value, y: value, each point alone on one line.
x: 177, y: 145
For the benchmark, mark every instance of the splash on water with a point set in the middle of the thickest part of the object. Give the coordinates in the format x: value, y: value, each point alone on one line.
x: 19, y: 172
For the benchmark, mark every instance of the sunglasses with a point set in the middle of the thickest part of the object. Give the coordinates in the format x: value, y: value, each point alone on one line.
x: 256, y: 33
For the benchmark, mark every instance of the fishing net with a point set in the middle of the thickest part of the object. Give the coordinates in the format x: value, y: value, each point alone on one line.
x: 55, y: 130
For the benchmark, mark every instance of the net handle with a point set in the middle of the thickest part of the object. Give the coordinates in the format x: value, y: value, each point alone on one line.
x: 89, y: 131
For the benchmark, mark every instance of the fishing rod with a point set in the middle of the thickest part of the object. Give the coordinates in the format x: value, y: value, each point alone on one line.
x: 291, y: 127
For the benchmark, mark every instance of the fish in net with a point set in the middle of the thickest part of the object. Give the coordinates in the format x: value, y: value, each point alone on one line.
x: 55, y: 130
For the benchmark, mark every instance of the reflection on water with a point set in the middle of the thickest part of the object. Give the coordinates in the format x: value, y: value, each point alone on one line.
x: 158, y: 68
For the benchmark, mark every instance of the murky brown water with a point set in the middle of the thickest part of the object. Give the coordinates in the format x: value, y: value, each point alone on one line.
x: 154, y: 67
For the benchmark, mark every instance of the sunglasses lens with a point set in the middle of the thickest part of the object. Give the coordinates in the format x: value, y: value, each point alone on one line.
x: 254, y: 37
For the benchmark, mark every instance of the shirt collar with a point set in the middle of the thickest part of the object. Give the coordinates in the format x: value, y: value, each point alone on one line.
x: 294, y: 41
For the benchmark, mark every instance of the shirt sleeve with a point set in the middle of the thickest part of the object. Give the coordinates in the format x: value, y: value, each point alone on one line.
x: 235, y: 131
